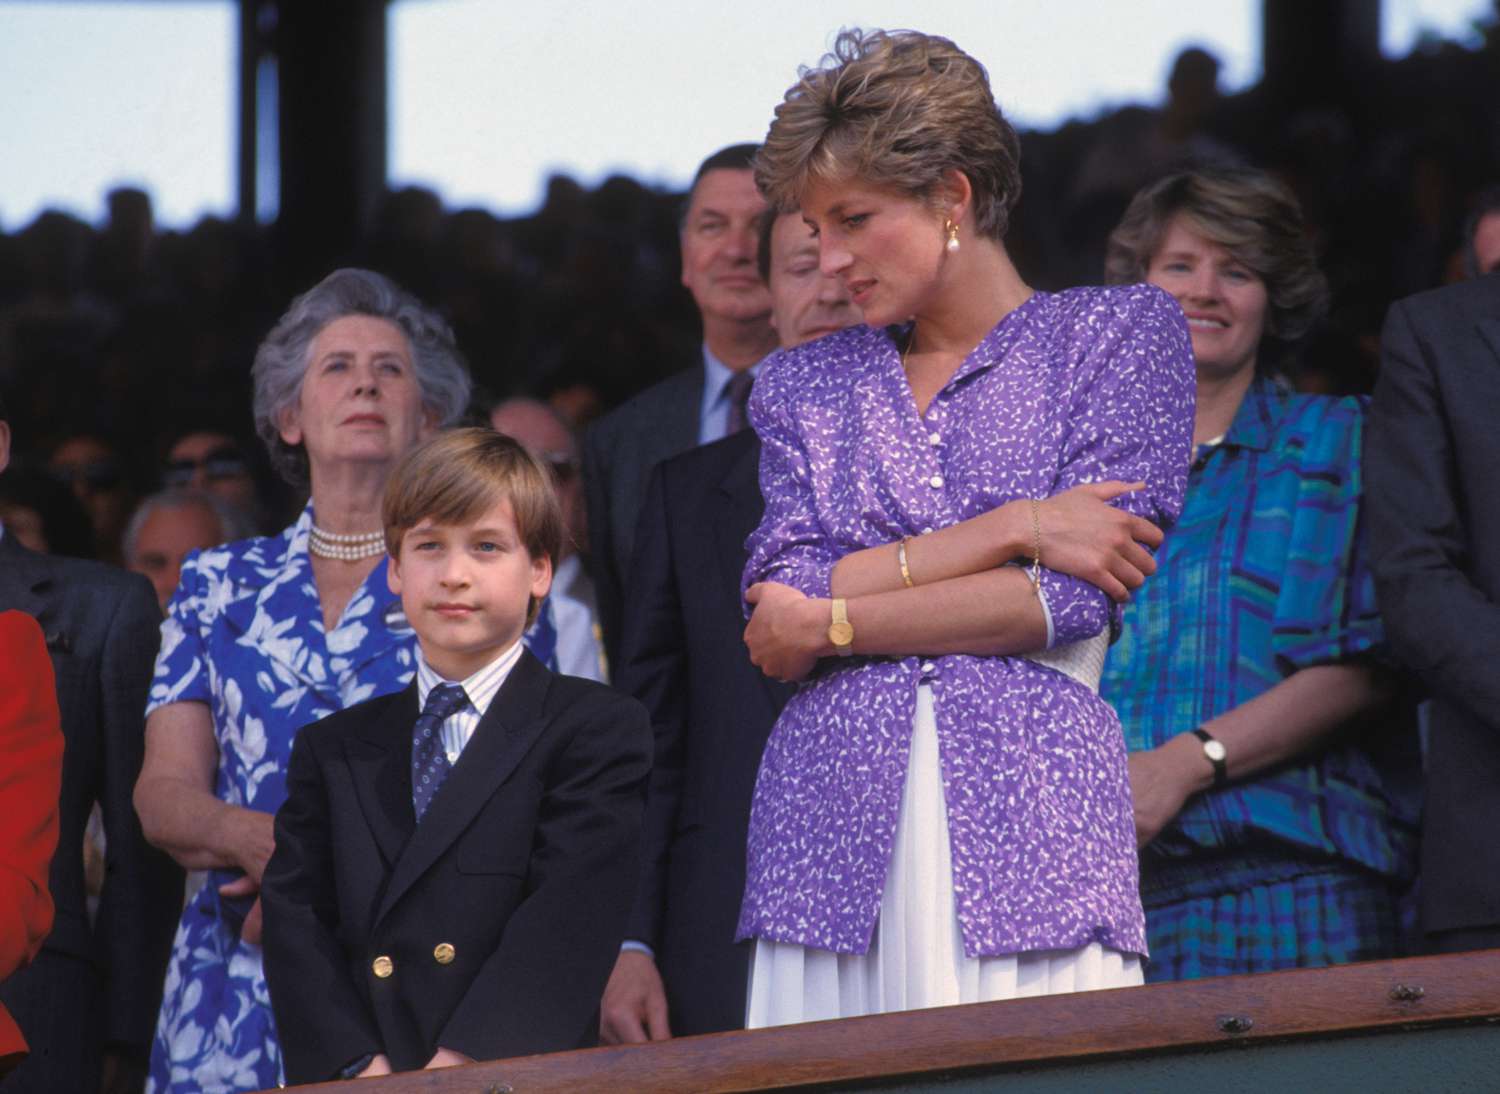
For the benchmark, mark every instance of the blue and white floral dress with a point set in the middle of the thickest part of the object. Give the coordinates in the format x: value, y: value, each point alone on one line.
x: 244, y: 634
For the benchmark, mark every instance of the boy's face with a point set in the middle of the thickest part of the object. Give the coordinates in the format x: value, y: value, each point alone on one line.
x: 465, y: 588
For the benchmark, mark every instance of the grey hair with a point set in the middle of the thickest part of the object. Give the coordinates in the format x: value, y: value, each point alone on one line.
x: 282, y: 359
x: 233, y: 523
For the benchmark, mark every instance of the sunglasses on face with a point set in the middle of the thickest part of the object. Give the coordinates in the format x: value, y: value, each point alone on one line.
x: 221, y: 463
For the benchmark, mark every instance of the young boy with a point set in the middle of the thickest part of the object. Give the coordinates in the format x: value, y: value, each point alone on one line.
x: 455, y: 885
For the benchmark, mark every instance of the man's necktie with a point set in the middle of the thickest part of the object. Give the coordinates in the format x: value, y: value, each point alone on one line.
x: 738, y: 390
x: 429, y: 760
x: 541, y: 639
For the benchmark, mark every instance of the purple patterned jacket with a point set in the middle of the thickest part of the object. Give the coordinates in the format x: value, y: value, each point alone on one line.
x: 1081, y: 386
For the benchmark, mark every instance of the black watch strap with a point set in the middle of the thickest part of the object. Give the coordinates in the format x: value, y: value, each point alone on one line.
x: 1213, y: 752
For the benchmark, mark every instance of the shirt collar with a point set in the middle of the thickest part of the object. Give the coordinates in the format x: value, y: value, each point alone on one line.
x: 480, y: 687
x: 992, y: 348
x: 716, y: 375
x: 1255, y: 421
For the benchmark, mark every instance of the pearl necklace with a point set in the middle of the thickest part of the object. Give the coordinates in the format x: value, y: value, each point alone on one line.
x: 346, y: 548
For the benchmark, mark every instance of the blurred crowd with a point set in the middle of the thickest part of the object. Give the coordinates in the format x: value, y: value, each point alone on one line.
x: 118, y: 341
x: 126, y: 349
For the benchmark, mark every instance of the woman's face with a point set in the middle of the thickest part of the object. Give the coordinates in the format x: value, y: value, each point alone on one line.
x: 360, y: 401
x: 886, y: 247
x: 1223, y: 299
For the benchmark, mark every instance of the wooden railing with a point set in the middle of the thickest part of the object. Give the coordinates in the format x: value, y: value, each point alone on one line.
x: 951, y: 1045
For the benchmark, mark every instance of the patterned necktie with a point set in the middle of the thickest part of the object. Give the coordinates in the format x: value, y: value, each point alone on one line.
x: 541, y: 639
x: 738, y: 390
x: 429, y: 760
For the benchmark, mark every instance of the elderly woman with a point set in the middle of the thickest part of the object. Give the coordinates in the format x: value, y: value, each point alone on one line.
x: 266, y: 635
x: 941, y: 818
x: 1245, y: 681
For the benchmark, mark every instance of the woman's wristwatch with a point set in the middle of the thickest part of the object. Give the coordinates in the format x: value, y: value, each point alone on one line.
x: 841, y: 631
x: 1213, y: 751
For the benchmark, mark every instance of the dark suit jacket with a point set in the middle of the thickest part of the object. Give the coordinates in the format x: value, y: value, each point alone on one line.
x: 619, y: 452
x: 523, y: 864
x: 31, y: 749
x: 101, y: 626
x: 684, y: 657
x: 1433, y: 464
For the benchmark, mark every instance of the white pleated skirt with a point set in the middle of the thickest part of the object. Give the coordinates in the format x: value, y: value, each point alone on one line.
x: 917, y: 958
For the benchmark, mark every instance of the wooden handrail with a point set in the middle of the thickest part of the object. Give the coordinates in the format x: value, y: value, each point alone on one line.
x: 995, y: 1037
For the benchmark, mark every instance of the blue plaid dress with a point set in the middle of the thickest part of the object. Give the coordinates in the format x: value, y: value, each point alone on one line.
x: 1264, y: 574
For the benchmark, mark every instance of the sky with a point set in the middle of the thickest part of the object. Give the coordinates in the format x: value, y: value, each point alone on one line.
x: 487, y: 97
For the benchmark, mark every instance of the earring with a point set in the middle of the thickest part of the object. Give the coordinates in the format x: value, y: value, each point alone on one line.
x: 952, y: 230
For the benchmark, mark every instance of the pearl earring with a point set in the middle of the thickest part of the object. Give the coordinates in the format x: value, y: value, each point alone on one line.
x: 952, y: 230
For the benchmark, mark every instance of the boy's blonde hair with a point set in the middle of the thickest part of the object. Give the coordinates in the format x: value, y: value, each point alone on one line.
x: 458, y: 475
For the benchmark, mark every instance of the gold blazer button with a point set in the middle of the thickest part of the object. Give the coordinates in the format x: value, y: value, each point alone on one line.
x: 382, y: 966
x: 443, y: 953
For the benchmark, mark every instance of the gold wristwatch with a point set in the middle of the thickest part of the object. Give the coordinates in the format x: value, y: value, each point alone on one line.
x: 841, y: 631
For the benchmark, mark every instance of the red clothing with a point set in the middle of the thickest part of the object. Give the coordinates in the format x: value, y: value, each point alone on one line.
x: 31, y: 751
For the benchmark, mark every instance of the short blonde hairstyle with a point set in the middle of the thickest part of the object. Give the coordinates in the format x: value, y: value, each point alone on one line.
x: 1253, y: 216
x: 458, y: 475
x: 894, y: 109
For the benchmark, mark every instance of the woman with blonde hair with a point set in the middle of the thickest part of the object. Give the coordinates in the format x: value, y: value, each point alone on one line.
x: 957, y: 497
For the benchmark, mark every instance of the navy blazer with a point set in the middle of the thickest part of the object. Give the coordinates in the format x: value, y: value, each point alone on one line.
x: 102, y: 628
x: 619, y: 452
x: 489, y: 928
x: 1431, y: 455
x: 684, y: 656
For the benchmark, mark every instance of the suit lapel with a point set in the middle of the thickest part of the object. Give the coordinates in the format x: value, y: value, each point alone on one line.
x: 505, y: 734
x: 740, y: 508
x: 738, y: 495
x: 379, y: 759
x: 681, y: 432
x: 22, y: 580
x: 1489, y: 330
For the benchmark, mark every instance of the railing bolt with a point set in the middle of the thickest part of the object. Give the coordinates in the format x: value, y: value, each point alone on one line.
x: 1407, y: 993
x: 1235, y: 1023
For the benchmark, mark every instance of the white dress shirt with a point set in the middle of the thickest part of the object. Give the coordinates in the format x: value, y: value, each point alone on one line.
x: 579, y: 651
x: 480, y: 688
x: 713, y: 415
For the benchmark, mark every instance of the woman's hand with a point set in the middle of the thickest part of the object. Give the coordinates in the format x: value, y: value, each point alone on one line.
x: 252, y: 843
x: 1161, y: 781
x: 1084, y: 536
x: 787, y: 631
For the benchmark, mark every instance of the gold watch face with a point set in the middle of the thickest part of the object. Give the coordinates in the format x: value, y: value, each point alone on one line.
x: 841, y: 634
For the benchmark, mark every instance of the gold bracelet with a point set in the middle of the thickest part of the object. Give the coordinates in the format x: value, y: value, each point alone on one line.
x: 901, y: 561
x: 1036, y: 550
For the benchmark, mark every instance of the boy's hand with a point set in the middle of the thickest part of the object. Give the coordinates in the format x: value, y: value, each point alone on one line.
x: 446, y: 1057
x: 634, y: 1008
x: 380, y: 1065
